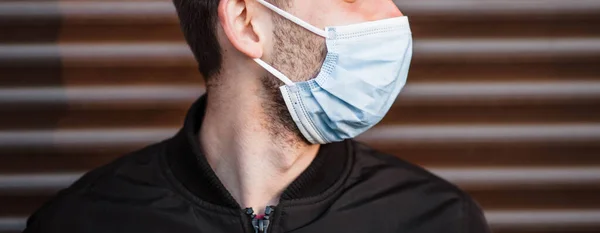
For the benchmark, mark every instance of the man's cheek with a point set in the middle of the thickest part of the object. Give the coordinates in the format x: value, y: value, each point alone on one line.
x: 370, y: 10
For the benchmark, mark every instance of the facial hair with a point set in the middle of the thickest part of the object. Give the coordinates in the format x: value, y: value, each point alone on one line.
x: 298, y: 54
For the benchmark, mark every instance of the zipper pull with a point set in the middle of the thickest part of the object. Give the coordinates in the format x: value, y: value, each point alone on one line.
x: 266, y: 220
x: 261, y: 225
x: 250, y: 213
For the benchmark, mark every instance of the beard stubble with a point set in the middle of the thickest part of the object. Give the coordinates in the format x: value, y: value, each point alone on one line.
x: 298, y: 54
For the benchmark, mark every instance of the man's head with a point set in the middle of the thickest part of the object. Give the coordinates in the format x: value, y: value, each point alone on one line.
x: 225, y: 35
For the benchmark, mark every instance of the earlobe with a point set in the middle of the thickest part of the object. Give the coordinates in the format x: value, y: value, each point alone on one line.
x: 236, y: 18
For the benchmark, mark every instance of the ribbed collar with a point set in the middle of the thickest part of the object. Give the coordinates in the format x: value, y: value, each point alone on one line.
x: 189, y: 165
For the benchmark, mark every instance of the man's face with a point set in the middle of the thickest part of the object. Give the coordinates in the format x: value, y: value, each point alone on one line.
x: 343, y: 12
x: 299, y: 53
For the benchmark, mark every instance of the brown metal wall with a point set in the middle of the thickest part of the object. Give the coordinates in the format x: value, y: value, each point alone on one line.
x: 503, y: 99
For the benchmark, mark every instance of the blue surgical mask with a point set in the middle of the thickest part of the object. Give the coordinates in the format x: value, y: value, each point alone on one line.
x: 365, y: 69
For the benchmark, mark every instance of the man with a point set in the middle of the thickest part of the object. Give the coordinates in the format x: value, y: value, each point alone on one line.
x: 268, y: 148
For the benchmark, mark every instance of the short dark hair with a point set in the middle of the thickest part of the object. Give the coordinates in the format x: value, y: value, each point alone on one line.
x: 198, y: 19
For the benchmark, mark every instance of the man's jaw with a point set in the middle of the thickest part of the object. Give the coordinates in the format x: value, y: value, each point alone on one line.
x: 278, y: 120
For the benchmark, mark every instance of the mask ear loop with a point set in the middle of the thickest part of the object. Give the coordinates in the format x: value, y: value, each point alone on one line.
x: 296, y: 20
x: 274, y: 72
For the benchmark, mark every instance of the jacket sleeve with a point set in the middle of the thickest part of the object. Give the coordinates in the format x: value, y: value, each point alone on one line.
x: 474, y: 219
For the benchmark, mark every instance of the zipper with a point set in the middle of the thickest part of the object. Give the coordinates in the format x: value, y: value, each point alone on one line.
x: 261, y: 225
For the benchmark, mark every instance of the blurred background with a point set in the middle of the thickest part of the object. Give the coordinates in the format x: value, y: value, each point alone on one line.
x: 503, y: 99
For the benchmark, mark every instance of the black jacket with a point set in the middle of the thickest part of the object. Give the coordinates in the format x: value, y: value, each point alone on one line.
x: 170, y: 187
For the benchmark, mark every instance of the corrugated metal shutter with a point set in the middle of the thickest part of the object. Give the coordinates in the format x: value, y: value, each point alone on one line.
x: 503, y: 99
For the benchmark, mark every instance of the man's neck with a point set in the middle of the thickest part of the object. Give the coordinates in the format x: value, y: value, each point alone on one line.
x: 251, y: 162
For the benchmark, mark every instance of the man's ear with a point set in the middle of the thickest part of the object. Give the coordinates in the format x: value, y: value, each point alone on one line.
x: 242, y: 28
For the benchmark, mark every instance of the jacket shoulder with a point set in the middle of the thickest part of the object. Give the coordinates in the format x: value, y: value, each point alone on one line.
x: 413, y: 197
x: 100, y: 198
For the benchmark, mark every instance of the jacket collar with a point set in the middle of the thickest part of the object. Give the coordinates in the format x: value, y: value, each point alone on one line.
x: 188, y: 164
